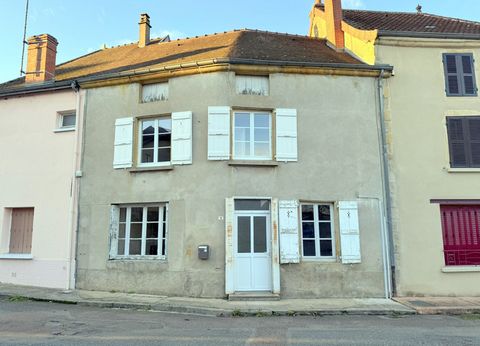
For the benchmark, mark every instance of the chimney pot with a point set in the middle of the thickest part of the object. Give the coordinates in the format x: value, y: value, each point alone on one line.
x: 41, y: 58
x: 144, y: 34
x: 334, y: 17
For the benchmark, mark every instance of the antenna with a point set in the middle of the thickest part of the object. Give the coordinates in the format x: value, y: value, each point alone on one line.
x: 24, y: 38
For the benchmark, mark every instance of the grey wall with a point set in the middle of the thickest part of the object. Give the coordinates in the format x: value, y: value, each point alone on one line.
x: 338, y: 160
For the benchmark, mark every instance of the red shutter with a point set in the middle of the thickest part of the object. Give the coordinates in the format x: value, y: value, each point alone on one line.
x: 461, y: 234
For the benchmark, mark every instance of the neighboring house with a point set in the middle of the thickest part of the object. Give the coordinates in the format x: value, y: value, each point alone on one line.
x: 238, y: 162
x: 39, y: 125
x: 433, y: 134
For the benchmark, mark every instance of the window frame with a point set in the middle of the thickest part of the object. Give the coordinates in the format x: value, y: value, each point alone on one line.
x: 460, y: 75
x: 163, y: 211
x: 139, y: 142
x: 60, y: 116
x: 333, y: 239
x: 252, y: 135
x: 466, y: 141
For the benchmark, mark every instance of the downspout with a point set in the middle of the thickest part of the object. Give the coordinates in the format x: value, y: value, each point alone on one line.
x: 388, y: 244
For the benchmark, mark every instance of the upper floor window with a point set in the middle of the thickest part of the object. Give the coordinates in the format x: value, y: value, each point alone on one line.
x: 464, y: 141
x: 155, y: 92
x: 155, y: 141
x: 252, y: 85
x: 66, y: 121
x: 459, y: 74
x: 252, y: 137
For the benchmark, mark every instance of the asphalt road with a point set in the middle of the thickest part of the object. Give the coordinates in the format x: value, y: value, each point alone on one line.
x: 39, y: 323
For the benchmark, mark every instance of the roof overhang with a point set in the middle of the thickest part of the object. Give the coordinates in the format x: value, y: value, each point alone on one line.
x: 429, y: 35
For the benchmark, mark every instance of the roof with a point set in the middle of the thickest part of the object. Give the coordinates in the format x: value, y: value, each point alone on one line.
x: 408, y: 22
x: 251, y: 45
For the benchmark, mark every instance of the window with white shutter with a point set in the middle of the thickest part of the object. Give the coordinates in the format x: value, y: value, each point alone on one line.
x: 286, y: 131
x: 123, y: 145
x: 218, y: 133
x: 155, y: 141
x: 288, y: 229
x: 349, y: 232
x: 318, y: 240
x: 182, y: 138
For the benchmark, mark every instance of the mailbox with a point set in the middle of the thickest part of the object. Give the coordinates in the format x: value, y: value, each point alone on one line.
x: 203, y: 252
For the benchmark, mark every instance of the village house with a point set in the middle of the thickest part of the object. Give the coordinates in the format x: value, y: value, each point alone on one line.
x: 39, y: 150
x: 231, y: 164
x: 432, y: 118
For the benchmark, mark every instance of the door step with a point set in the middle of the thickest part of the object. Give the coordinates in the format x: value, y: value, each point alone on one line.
x: 253, y: 296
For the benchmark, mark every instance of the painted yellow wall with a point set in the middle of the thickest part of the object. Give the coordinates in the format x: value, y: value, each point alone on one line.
x: 416, y: 111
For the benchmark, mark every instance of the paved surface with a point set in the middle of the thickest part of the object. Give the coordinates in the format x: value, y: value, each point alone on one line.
x: 213, y: 307
x: 442, y: 305
x: 42, y: 323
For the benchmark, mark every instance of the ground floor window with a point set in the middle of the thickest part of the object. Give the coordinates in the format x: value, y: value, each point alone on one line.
x: 461, y: 234
x: 141, y: 231
x: 21, y: 230
x: 317, y: 231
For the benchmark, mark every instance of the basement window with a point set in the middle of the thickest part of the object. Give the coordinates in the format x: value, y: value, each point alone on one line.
x: 155, y: 92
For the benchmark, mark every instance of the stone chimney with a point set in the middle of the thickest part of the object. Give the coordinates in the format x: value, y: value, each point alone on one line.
x: 41, y: 57
x: 334, y: 16
x: 144, y: 38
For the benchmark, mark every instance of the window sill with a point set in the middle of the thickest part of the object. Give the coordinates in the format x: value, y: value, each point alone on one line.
x: 150, y: 169
x: 66, y: 129
x: 321, y: 260
x: 461, y: 269
x: 161, y: 259
x: 463, y: 170
x: 13, y: 256
x: 259, y: 163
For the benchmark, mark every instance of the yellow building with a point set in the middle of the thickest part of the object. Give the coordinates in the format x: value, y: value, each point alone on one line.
x: 432, y: 136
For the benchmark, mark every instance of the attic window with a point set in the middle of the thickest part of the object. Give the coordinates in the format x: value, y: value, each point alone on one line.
x: 155, y: 92
x: 252, y: 85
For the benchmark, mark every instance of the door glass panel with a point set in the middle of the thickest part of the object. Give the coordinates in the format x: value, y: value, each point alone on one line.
x: 259, y: 234
x: 243, y: 231
x: 252, y: 204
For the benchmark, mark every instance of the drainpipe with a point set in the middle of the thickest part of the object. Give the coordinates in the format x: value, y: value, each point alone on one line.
x: 388, y: 244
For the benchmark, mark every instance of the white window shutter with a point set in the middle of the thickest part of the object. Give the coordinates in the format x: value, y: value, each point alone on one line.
x: 182, y: 138
x: 114, y: 221
x: 349, y: 232
x: 229, y: 271
x: 286, y: 130
x: 123, y: 146
x: 218, y: 133
x: 288, y: 226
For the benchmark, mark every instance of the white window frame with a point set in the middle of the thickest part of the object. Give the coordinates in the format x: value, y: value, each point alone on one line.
x: 155, y: 162
x: 60, y: 116
x: 162, y: 207
x: 317, y: 232
x: 252, y: 156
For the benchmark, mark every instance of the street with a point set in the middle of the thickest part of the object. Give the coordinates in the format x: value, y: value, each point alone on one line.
x: 42, y: 323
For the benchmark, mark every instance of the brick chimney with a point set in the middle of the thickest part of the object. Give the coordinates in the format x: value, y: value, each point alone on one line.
x: 41, y: 57
x: 334, y: 16
x: 144, y: 38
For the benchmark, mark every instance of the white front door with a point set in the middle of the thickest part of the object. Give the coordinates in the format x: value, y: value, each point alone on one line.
x: 252, y: 262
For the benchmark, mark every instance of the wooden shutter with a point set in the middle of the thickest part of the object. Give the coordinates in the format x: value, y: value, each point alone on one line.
x: 229, y: 271
x: 474, y: 140
x: 123, y: 146
x: 459, y: 74
x: 349, y: 232
x: 464, y: 141
x: 468, y: 74
x: 182, y: 138
x: 114, y: 225
x: 452, y: 78
x: 21, y: 231
x: 218, y: 133
x: 288, y: 229
x: 286, y: 131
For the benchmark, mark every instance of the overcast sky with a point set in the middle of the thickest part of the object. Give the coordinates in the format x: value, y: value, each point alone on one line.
x: 82, y: 26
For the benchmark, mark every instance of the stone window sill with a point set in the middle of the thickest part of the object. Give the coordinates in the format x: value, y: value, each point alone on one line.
x: 254, y: 163
x: 150, y: 169
x: 461, y: 269
x: 64, y: 129
x: 13, y: 256
x: 463, y: 170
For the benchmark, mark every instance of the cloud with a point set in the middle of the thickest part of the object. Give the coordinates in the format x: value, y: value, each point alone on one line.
x: 353, y: 4
x: 174, y: 34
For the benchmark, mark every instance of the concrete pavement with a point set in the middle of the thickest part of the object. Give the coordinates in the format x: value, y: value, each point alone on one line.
x: 212, y: 307
x: 442, y: 305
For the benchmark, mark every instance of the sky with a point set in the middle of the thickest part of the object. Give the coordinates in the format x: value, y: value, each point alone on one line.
x: 83, y: 26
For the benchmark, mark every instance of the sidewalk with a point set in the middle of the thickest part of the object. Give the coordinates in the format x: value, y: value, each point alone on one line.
x: 442, y: 305
x: 212, y: 307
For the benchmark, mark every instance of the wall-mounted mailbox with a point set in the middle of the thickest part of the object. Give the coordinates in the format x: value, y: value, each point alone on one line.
x: 203, y: 252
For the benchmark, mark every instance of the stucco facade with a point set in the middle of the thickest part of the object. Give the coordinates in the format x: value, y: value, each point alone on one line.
x: 416, y: 113
x: 338, y: 160
x: 37, y: 171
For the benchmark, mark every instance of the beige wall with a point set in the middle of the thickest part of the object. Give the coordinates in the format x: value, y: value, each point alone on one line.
x: 416, y: 118
x: 338, y: 160
x: 36, y: 170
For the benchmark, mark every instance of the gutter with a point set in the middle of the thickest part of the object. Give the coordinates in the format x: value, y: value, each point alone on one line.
x: 429, y: 35
x: 62, y: 85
